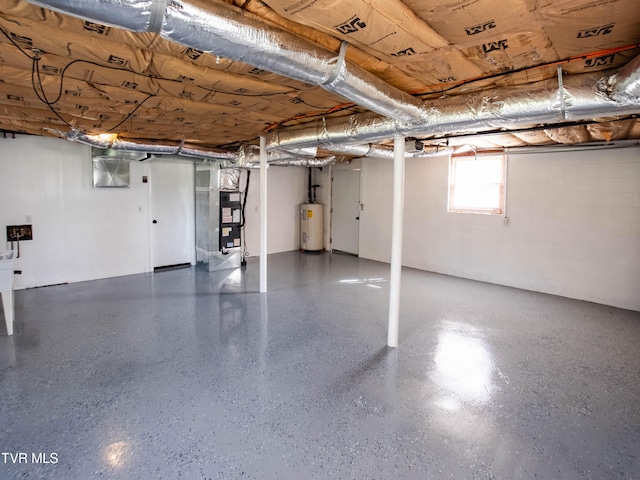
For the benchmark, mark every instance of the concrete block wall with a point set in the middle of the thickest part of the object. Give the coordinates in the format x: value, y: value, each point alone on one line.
x: 572, y: 228
x: 578, y: 220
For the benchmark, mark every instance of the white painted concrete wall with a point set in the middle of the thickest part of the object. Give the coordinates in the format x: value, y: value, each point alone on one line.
x: 83, y: 233
x: 79, y: 232
x: 287, y: 189
x: 574, y: 225
x: 574, y: 220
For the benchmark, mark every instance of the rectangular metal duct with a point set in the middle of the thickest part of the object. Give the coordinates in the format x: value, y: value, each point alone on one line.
x: 111, y: 172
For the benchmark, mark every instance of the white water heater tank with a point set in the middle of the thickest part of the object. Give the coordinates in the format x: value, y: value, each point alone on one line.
x: 312, y: 226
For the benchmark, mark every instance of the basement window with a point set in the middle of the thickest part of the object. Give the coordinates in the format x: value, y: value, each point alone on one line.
x: 477, y: 184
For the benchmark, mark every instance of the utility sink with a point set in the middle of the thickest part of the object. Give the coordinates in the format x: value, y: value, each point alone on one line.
x: 6, y: 287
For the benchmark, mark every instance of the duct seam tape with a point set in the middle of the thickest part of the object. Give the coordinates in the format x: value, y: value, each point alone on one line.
x: 157, y: 11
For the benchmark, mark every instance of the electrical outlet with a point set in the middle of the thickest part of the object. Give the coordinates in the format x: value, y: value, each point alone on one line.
x: 19, y: 233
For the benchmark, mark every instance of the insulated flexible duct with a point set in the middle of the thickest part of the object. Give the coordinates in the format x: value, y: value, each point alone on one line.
x: 623, y: 86
x: 586, y: 96
x: 305, y: 162
x: 226, y: 31
x: 115, y: 143
x: 246, y: 157
x: 250, y: 155
x: 382, y: 151
x: 134, y: 15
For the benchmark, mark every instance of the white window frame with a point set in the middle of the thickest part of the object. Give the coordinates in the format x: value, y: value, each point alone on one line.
x: 475, y: 209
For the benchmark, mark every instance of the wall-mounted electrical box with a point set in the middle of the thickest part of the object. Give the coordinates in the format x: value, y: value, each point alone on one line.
x: 17, y: 233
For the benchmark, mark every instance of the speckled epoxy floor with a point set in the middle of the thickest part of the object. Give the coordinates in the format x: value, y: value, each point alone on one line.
x: 184, y: 374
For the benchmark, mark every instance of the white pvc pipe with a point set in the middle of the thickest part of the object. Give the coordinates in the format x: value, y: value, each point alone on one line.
x: 263, y: 214
x: 396, y: 242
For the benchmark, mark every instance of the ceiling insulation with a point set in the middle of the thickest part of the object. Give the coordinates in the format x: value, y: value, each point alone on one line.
x: 317, y: 66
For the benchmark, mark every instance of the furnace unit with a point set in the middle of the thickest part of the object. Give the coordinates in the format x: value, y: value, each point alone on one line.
x: 218, y: 218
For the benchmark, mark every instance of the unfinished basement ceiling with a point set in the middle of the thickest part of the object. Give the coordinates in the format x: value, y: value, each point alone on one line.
x: 64, y: 74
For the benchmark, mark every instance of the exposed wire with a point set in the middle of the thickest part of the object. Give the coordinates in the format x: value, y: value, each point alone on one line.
x: 244, y: 201
x: 236, y: 93
x: 337, y: 108
x: 40, y: 93
x: 35, y: 71
x: 575, y: 58
x: 66, y: 67
x: 34, y: 59
x: 146, y: 75
x: 15, y: 44
x: 42, y: 96
x: 304, y: 102
x: 431, y: 90
x: 38, y: 87
x: 243, y: 221
x: 130, y: 115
